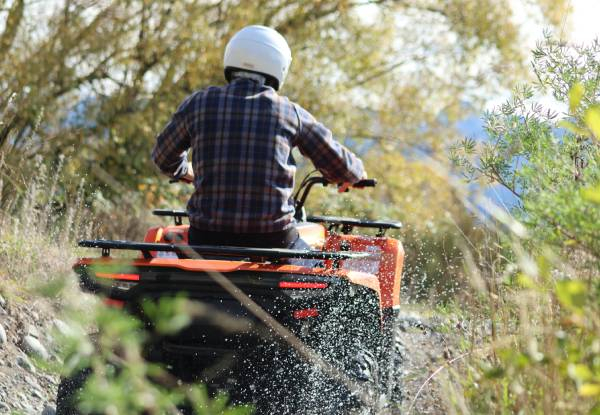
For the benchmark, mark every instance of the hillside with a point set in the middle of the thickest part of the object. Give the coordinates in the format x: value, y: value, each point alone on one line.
x: 26, y: 326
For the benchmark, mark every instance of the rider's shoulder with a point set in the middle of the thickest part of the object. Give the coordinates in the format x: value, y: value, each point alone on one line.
x: 200, y: 94
x: 303, y: 114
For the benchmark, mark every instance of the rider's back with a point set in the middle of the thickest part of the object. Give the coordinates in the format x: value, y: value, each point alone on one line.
x: 241, y: 136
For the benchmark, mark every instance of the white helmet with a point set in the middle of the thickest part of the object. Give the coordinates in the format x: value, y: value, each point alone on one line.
x: 258, y: 49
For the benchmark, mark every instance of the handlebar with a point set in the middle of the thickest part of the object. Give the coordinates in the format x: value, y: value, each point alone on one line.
x: 358, y: 185
x: 365, y: 183
x: 309, y: 182
x: 305, y: 187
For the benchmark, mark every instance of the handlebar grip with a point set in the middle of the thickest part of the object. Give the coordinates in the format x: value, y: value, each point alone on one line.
x: 181, y: 179
x: 365, y: 183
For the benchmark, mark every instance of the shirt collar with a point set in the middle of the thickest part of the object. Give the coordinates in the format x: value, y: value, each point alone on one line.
x: 259, y: 79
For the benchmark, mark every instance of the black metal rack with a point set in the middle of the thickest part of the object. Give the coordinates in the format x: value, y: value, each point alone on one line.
x: 347, y: 224
x: 184, y: 251
x: 176, y: 214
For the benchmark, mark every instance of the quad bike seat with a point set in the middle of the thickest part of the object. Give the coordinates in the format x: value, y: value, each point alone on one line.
x: 312, y: 233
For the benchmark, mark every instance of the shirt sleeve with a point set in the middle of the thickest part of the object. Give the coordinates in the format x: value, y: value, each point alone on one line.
x: 170, y: 150
x: 333, y: 160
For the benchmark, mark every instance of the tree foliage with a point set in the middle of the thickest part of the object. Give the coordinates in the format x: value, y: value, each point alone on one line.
x: 550, y: 161
x: 96, y: 80
x: 542, y: 353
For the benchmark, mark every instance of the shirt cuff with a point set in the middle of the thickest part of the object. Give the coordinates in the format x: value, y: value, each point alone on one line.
x: 182, y: 169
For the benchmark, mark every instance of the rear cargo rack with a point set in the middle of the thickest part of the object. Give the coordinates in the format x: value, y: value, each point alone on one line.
x: 347, y: 224
x: 335, y: 223
x: 271, y: 254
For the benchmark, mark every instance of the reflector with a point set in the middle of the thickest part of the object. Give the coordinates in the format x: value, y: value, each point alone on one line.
x: 306, y: 313
x: 128, y: 277
x: 111, y: 302
x: 303, y: 285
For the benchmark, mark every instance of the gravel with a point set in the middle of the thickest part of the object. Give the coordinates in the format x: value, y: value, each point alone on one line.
x: 24, y: 336
x: 49, y: 410
x: 422, y: 350
x: 33, y: 331
x: 3, y: 338
x: 61, y: 327
x: 34, y: 348
x: 25, y: 363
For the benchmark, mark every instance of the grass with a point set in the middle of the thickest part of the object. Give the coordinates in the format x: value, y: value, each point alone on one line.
x: 527, y: 323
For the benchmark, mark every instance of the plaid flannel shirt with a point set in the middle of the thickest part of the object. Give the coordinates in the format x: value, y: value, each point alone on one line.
x: 241, y: 136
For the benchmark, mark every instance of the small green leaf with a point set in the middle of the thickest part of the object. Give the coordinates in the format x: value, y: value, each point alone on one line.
x: 524, y: 281
x: 575, y: 96
x: 568, y: 125
x: 571, y: 294
x: 495, y: 372
x: 591, y: 194
x: 579, y: 372
x: 589, y: 390
x: 592, y: 120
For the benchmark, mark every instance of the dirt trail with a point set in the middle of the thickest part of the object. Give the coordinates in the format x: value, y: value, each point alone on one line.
x: 424, y: 351
x: 27, y: 389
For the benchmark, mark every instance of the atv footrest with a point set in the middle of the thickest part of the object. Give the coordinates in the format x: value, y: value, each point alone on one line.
x: 196, y: 252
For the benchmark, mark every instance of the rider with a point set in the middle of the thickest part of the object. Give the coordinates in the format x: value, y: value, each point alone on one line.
x: 241, y: 136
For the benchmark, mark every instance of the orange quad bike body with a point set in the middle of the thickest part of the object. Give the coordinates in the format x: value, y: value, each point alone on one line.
x: 339, y: 298
x: 380, y: 272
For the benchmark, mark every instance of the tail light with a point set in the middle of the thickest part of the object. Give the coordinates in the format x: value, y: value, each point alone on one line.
x: 111, y: 302
x: 305, y: 313
x: 118, y: 276
x: 303, y: 285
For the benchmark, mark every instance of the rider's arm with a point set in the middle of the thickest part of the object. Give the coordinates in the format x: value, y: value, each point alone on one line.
x: 170, y: 150
x: 333, y: 160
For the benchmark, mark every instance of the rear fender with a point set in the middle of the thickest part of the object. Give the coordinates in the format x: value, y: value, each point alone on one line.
x: 166, y: 234
x: 387, y: 266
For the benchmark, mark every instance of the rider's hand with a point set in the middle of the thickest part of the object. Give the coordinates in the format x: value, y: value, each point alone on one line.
x: 343, y: 187
x: 189, y: 176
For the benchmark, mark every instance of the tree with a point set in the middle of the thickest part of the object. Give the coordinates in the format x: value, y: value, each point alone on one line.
x: 96, y: 81
x: 550, y: 161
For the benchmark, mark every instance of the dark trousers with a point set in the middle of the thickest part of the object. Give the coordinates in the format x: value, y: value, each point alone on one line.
x: 284, y: 239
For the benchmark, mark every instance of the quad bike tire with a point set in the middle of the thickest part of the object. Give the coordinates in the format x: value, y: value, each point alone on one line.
x: 67, y: 392
x: 349, y: 338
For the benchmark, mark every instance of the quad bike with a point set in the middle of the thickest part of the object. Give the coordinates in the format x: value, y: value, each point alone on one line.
x: 340, y: 298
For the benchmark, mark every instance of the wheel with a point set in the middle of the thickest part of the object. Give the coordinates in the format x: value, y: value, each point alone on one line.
x: 347, y: 336
x: 391, y: 361
x: 67, y: 390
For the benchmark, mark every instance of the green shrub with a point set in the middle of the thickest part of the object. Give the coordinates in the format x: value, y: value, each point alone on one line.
x: 551, y: 163
x: 542, y: 354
